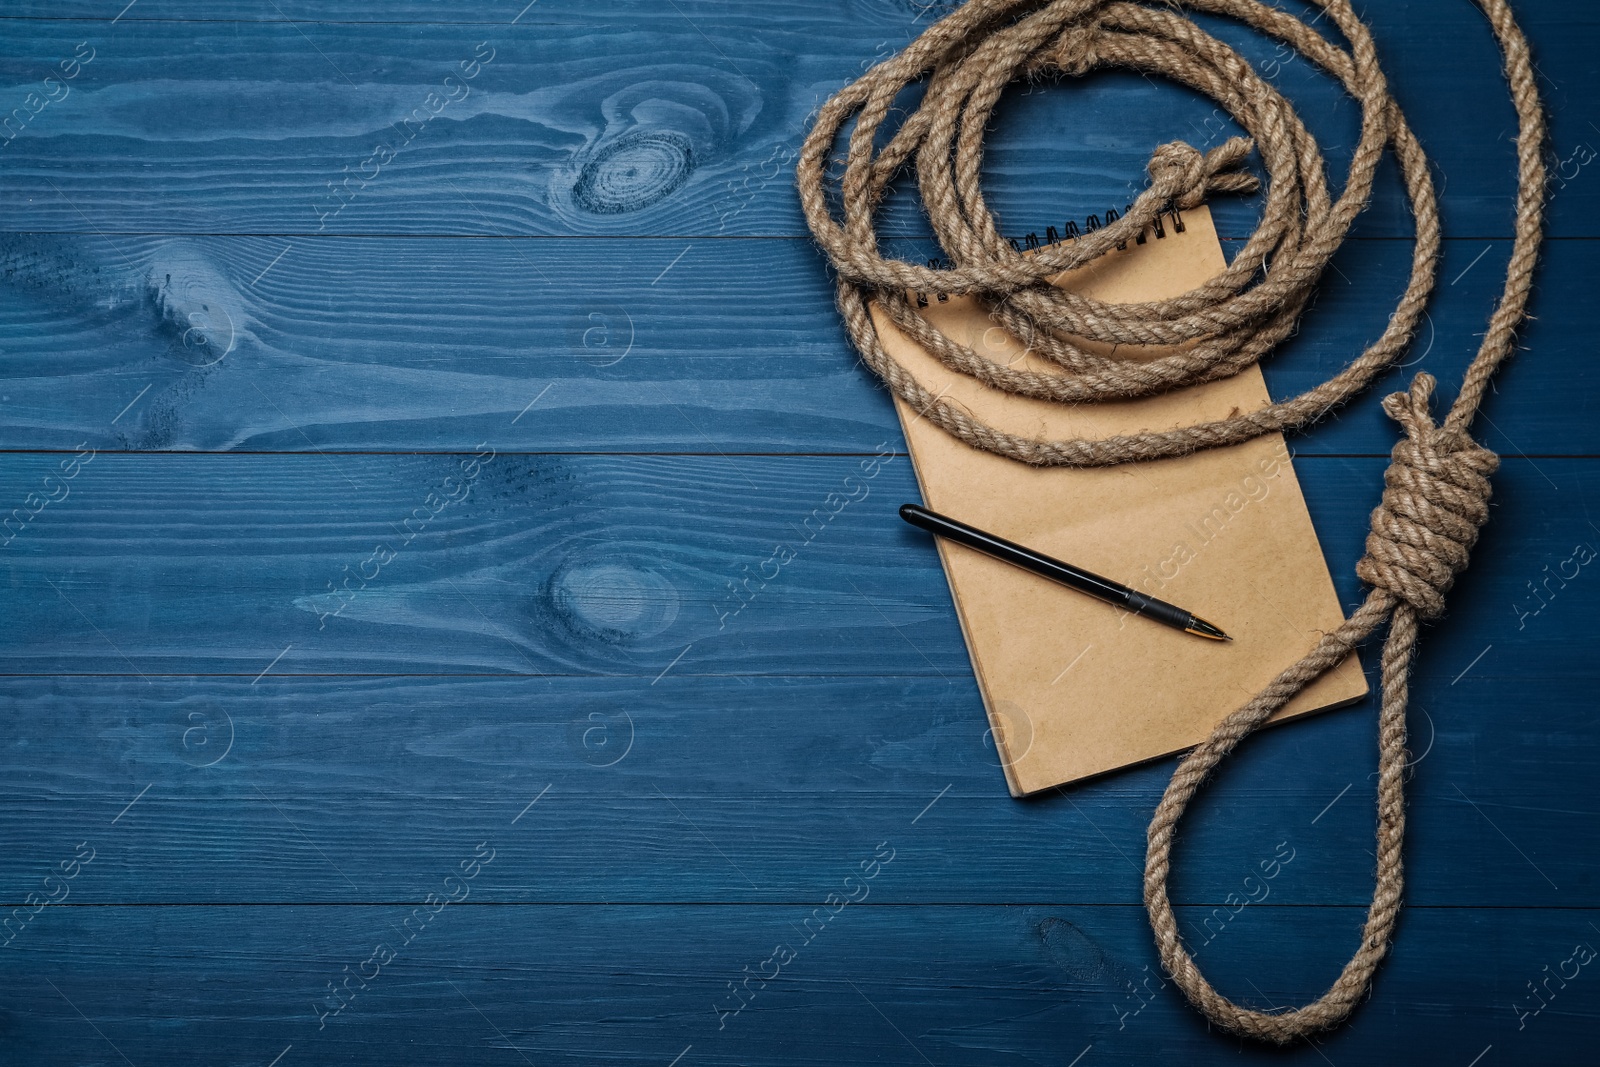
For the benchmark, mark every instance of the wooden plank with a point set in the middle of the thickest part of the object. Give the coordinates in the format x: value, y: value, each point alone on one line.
x: 864, y: 598
x: 433, y: 344
x: 874, y: 984
x: 238, y: 343
x: 431, y: 13
x: 560, y: 128
x: 160, y: 564
x: 580, y: 127
x: 224, y: 791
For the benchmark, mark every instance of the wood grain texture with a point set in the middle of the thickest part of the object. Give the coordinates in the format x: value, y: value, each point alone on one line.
x: 277, y: 740
x: 400, y: 344
x: 596, y: 565
x: 667, y: 120
x: 455, y: 13
x: 324, y: 789
x: 888, y: 985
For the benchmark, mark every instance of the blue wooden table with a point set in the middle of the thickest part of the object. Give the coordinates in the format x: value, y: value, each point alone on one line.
x: 394, y: 397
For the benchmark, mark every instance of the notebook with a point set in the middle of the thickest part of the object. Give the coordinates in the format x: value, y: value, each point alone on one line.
x: 1074, y: 687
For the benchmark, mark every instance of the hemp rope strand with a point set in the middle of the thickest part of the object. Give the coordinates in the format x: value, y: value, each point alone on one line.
x: 1437, y: 485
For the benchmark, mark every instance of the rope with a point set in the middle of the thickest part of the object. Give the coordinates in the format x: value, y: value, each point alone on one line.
x: 1437, y: 485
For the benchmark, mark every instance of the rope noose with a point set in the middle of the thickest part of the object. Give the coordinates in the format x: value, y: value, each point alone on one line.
x: 1437, y: 484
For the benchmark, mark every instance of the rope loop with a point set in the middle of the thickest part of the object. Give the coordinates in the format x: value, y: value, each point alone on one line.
x: 965, y: 61
x: 1435, y: 500
x: 1436, y: 492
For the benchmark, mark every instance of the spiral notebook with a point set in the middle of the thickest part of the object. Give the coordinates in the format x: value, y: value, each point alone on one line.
x: 1073, y: 687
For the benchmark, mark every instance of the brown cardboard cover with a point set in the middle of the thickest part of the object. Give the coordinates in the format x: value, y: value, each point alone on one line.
x: 1075, y: 687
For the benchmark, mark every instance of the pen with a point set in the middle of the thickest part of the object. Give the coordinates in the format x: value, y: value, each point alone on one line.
x: 1046, y: 567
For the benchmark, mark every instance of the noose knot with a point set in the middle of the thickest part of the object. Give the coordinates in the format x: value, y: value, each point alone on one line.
x: 1435, y: 499
x: 1185, y: 177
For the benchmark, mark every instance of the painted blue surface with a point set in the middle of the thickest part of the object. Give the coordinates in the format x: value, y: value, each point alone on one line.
x: 570, y: 359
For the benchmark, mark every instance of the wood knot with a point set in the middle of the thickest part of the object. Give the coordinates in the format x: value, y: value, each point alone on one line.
x: 1435, y: 499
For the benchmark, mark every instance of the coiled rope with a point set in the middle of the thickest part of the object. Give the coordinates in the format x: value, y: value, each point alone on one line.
x: 1437, y: 485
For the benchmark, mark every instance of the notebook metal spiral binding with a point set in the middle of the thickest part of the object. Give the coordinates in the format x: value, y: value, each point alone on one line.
x: 1030, y: 242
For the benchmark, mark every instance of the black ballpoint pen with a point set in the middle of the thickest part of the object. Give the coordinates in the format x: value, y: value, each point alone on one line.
x: 1046, y: 567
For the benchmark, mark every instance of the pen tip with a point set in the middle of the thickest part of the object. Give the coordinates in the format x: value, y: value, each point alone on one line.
x: 1200, y: 628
